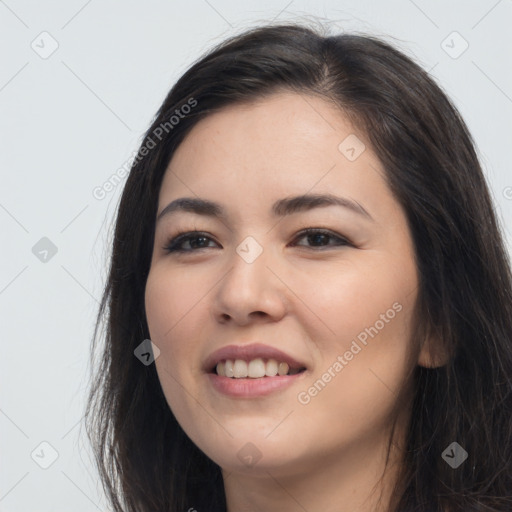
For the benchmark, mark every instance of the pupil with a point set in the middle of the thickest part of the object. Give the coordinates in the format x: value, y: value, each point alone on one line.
x: 316, y: 236
x: 194, y: 240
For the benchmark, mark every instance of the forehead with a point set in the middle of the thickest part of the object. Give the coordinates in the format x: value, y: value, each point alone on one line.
x: 261, y: 151
x: 284, y: 125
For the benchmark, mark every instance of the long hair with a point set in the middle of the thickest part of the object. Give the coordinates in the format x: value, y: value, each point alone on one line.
x: 146, y: 461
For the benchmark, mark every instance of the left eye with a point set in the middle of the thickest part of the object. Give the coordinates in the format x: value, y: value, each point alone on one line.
x: 198, y: 240
x: 319, y: 235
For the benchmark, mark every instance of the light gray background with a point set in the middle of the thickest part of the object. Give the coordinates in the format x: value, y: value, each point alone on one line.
x: 68, y: 122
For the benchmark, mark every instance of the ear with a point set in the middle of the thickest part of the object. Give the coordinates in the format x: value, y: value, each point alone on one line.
x: 433, y: 353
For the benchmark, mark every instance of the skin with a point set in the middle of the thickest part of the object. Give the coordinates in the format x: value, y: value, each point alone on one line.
x: 310, y: 300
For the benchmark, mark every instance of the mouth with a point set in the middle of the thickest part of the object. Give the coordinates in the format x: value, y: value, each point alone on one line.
x: 257, y: 368
x: 252, y: 361
x: 252, y: 371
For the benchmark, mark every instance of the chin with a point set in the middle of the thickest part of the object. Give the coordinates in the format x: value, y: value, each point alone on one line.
x: 251, y: 452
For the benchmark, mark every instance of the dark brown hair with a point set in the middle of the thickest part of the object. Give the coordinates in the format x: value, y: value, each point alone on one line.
x: 146, y: 461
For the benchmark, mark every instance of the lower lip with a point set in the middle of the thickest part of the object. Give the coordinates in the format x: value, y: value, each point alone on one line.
x: 250, y: 388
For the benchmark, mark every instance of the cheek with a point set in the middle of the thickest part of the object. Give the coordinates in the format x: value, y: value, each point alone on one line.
x: 174, y: 314
x: 364, y: 357
x: 170, y: 300
x: 354, y: 391
x: 356, y: 298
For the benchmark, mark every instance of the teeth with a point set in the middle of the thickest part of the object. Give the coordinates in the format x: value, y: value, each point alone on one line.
x: 228, y: 369
x: 283, y: 369
x: 271, y: 368
x: 255, y: 369
x: 240, y: 369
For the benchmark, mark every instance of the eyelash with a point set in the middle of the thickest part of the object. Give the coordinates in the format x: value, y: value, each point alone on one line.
x: 172, y: 245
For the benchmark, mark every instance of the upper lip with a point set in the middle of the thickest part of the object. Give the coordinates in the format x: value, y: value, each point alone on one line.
x: 247, y: 353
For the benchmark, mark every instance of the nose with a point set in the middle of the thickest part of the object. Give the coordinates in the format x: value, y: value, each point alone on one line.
x: 249, y: 292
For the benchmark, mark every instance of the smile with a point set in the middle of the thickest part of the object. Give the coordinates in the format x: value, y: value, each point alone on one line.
x: 254, y: 369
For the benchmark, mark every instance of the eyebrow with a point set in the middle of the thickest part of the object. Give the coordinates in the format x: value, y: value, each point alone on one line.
x: 280, y: 208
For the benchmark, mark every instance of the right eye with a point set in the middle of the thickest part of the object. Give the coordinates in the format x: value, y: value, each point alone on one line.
x: 197, y: 240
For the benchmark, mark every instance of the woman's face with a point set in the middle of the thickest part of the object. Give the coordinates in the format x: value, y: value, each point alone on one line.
x: 338, y: 303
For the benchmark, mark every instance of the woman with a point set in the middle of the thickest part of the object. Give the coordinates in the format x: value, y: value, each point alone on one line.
x: 308, y: 241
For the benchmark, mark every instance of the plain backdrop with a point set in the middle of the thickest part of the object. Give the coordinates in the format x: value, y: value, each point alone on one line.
x: 79, y: 84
